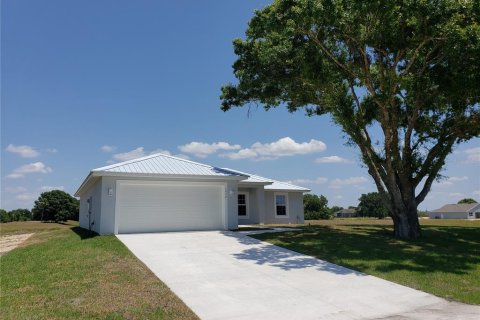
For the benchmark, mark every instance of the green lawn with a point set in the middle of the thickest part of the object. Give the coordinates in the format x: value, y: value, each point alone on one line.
x: 65, y: 272
x: 445, y: 262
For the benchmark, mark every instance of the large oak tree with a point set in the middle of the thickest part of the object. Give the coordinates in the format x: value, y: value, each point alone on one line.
x: 401, y: 78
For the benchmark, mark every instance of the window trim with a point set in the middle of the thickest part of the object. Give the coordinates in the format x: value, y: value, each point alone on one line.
x: 287, y: 215
x: 247, y: 204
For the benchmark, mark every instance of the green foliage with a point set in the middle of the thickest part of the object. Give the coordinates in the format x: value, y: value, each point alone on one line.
x: 55, y: 205
x: 314, y: 203
x: 4, y: 216
x: 15, y: 215
x: 315, y: 207
x: 371, y: 205
x: 410, y: 68
x: 467, y: 200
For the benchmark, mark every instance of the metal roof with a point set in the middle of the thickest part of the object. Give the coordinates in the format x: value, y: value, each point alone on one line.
x: 270, y: 184
x: 462, y: 207
x: 162, y: 164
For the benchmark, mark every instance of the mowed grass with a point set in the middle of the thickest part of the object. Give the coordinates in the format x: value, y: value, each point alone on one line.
x: 65, y: 272
x: 444, y: 262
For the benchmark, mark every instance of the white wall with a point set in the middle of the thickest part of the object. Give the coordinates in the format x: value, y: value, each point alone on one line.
x: 449, y: 215
x: 295, y: 208
x: 95, y: 192
x: 104, y: 204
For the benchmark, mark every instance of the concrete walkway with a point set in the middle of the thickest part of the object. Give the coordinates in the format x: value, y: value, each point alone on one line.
x: 228, y: 275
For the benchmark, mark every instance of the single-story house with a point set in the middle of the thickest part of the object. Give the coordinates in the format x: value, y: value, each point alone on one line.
x: 456, y: 211
x: 164, y: 193
x: 346, y: 213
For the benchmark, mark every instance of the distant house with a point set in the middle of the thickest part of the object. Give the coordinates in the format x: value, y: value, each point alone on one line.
x: 346, y: 213
x: 456, y: 211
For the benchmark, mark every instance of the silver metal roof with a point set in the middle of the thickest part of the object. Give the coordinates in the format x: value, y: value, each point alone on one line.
x: 462, y: 207
x: 162, y: 164
x: 284, y: 186
x: 270, y: 184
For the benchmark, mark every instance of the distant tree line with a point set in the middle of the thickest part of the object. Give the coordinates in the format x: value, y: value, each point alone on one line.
x: 15, y: 215
x: 53, y: 206
x: 370, y: 205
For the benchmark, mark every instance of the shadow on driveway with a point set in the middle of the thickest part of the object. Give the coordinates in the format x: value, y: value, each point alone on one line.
x: 263, y: 253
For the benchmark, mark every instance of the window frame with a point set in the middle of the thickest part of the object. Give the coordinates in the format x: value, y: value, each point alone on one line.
x: 286, y: 204
x: 247, y: 204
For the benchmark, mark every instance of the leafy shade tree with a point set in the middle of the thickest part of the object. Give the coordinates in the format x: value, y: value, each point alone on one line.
x: 315, y: 207
x: 401, y: 79
x: 4, y: 216
x: 55, y: 206
x: 371, y: 205
x: 312, y: 202
x: 467, y: 200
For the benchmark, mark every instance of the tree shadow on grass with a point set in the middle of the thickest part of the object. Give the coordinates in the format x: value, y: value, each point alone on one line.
x: 447, y: 249
x: 84, y: 233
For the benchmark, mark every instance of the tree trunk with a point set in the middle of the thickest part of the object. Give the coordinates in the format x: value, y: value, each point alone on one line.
x: 405, y: 223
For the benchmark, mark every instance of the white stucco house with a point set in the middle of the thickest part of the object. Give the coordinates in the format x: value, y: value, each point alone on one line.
x: 456, y: 211
x: 163, y: 193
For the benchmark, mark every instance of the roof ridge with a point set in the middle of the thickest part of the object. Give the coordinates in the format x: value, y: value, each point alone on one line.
x: 149, y: 157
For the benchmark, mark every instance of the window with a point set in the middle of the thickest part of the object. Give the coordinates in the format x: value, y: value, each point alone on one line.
x: 281, y: 205
x: 243, y: 205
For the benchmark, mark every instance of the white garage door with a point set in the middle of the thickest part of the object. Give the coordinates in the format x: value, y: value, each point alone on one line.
x: 161, y: 206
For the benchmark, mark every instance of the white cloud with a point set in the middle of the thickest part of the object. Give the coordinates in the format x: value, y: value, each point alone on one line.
x: 50, y: 188
x: 338, y: 197
x: 318, y: 180
x: 26, y: 197
x: 332, y: 159
x: 108, y: 149
x: 451, y: 180
x: 473, y: 155
x: 352, y: 181
x: 202, y: 149
x: 36, y: 167
x: 140, y: 152
x: 130, y: 155
x: 23, y: 151
x: 16, y: 189
x: 52, y: 150
x: 456, y: 195
x: 476, y: 193
x: 280, y: 148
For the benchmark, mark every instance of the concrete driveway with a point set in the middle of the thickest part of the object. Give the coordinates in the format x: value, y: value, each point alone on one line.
x: 228, y: 275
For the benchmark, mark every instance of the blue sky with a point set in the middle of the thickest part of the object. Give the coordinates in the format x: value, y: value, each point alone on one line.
x: 87, y: 83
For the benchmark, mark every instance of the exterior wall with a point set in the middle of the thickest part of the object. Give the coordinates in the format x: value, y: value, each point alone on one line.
x: 231, y: 204
x: 104, y: 199
x: 108, y: 205
x: 253, y: 207
x: 295, y: 208
x: 95, y: 193
x: 449, y: 215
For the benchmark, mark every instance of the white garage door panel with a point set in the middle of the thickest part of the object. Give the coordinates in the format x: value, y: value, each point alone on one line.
x: 161, y: 207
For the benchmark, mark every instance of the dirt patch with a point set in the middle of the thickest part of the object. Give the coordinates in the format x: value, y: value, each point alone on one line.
x: 10, y: 242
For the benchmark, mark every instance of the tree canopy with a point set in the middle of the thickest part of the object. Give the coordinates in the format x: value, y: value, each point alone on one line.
x: 315, y: 207
x: 371, y: 205
x: 401, y: 79
x: 55, y: 205
x: 467, y: 200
